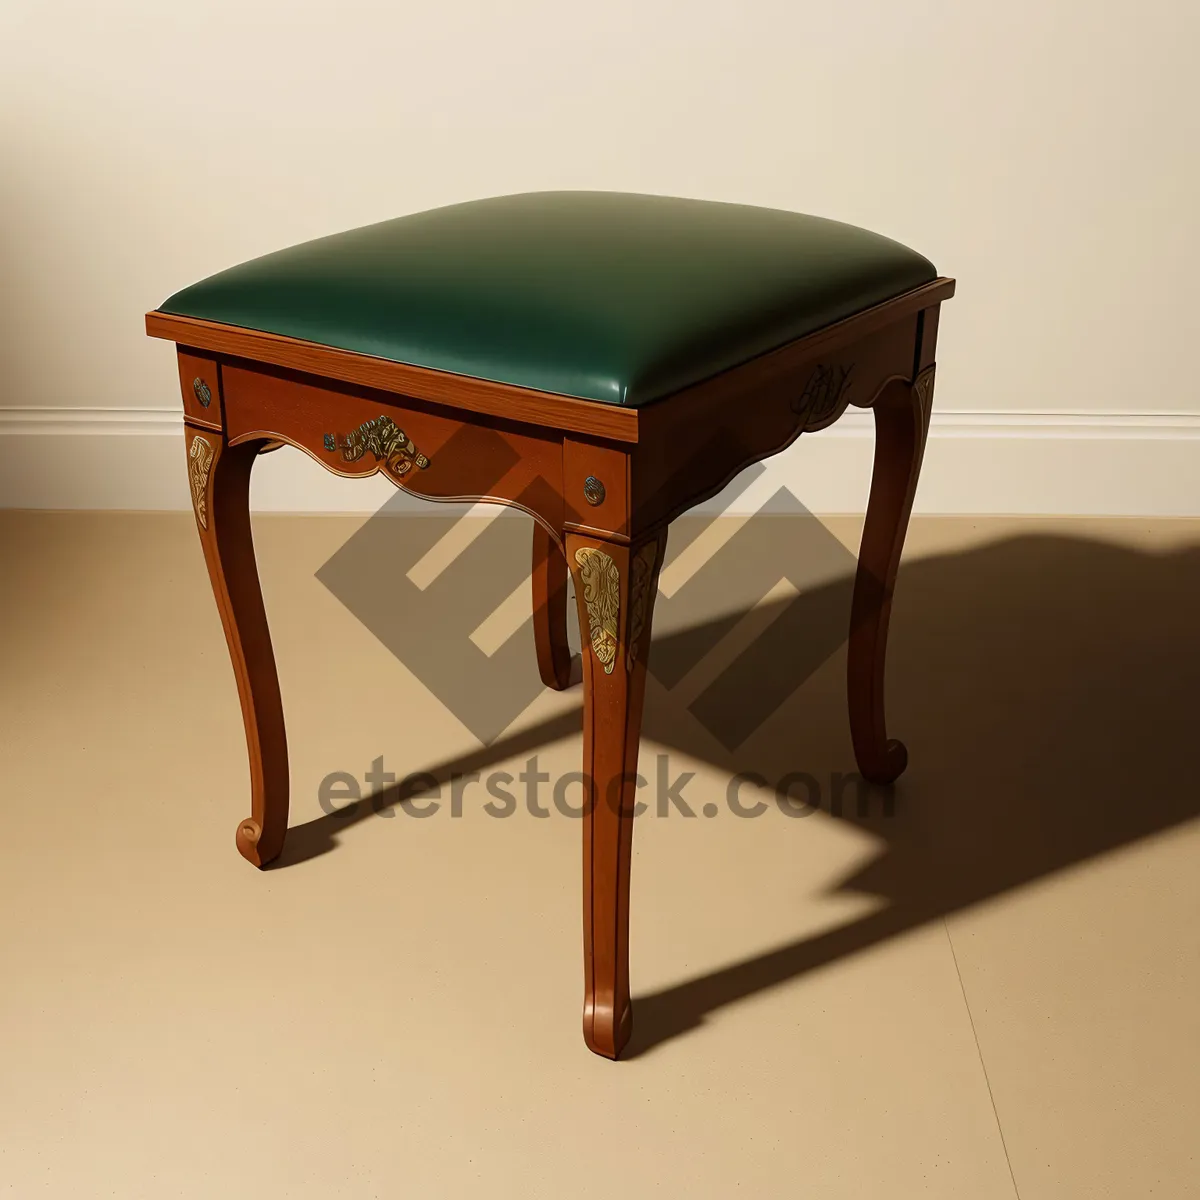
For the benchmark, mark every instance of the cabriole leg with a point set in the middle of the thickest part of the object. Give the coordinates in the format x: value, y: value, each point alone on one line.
x: 901, y: 427
x: 615, y: 586
x: 219, y: 476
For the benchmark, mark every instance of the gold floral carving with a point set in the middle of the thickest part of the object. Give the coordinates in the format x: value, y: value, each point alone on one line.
x: 601, y: 582
x: 200, y: 461
x: 384, y: 439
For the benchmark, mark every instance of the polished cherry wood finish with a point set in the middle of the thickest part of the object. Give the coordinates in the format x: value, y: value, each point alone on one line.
x: 222, y: 505
x: 550, y: 610
x: 612, y: 722
x: 602, y: 483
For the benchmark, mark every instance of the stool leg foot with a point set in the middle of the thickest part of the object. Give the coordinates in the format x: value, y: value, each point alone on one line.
x: 901, y: 427
x: 550, y: 610
x: 615, y: 587
x: 220, y: 482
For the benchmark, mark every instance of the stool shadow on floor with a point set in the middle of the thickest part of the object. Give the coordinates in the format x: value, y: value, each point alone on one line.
x: 1047, y: 688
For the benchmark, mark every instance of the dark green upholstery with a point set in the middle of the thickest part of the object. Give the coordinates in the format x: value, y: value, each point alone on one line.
x: 610, y: 297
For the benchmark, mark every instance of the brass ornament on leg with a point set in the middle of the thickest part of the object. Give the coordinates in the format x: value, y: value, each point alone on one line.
x: 200, y: 461
x: 601, y: 580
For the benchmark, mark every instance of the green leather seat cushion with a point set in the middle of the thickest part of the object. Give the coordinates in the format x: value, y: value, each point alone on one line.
x: 600, y: 295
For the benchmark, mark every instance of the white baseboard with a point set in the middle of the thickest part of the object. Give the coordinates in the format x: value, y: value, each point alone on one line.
x: 1077, y: 463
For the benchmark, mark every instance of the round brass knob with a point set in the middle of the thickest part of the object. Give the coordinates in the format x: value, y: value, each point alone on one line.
x: 593, y: 490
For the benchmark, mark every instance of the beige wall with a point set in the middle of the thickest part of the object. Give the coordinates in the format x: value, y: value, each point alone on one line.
x: 1042, y: 151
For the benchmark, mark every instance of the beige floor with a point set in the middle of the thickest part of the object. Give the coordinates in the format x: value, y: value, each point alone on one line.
x: 990, y: 994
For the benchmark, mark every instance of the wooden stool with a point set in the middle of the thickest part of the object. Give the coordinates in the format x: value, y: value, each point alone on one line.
x: 602, y: 361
